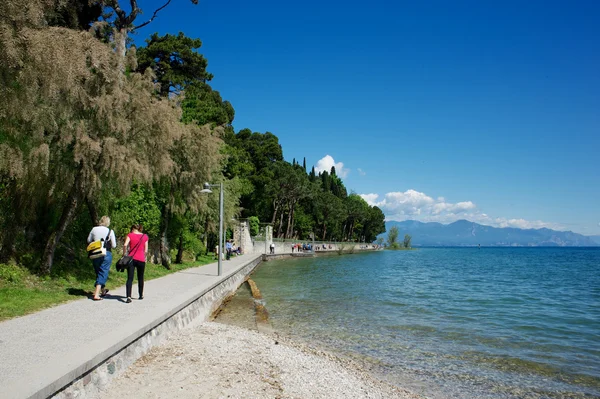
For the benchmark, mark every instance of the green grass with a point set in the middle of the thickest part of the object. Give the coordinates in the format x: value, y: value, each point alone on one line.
x: 22, y: 292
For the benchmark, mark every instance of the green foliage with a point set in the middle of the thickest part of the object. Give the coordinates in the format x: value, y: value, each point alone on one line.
x: 203, y: 105
x: 251, y: 157
x: 193, y: 244
x: 74, y: 14
x: 199, y: 156
x: 239, y: 163
x: 11, y: 273
x: 174, y: 61
x: 374, y: 224
x: 392, y: 240
x: 332, y: 183
x: 304, y: 224
x: 407, y: 239
x: 184, y: 235
x: 312, y: 175
x: 254, y: 225
x: 264, y: 149
x: 287, y: 188
x: 330, y: 213
x: 140, y: 206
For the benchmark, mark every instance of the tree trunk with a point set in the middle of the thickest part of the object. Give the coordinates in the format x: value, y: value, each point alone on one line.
x: 276, y: 207
x: 121, y: 49
x: 7, y: 246
x: 206, y: 236
x: 179, y: 258
x: 212, y: 243
x: 93, y: 211
x: 324, y: 231
x: 165, y: 259
x: 280, y: 229
x: 9, y: 228
x: 163, y: 248
x: 65, y: 219
x: 290, y: 226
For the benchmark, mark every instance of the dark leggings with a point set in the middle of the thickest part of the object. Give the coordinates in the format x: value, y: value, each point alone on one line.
x: 140, y: 266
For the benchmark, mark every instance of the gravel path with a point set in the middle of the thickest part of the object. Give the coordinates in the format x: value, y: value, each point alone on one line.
x: 223, y: 361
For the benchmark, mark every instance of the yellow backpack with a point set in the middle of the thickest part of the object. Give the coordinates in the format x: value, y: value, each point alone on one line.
x: 97, y: 249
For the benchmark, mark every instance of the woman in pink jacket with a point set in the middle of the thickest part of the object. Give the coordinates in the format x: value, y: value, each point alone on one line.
x: 138, y: 248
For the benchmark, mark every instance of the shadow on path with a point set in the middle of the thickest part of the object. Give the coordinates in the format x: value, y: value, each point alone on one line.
x: 79, y: 292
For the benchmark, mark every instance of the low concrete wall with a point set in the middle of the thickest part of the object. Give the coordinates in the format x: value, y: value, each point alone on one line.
x: 117, y: 359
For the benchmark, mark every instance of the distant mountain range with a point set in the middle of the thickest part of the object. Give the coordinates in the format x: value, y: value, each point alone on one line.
x: 466, y: 233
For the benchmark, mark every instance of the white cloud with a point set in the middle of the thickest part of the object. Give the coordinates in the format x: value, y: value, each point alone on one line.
x: 525, y: 224
x: 410, y: 202
x: 370, y: 198
x: 325, y: 164
x: 442, y: 206
x: 361, y: 172
x: 416, y: 205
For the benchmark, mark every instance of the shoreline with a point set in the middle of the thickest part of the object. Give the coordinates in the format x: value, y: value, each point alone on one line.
x: 216, y: 360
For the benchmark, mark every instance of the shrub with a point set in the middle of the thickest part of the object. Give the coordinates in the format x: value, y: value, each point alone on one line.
x: 254, y: 225
x: 12, y: 273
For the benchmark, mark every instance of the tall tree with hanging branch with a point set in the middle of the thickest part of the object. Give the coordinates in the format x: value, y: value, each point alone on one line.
x: 70, y: 119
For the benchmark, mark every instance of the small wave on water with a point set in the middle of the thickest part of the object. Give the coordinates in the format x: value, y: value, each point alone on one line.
x: 450, y: 323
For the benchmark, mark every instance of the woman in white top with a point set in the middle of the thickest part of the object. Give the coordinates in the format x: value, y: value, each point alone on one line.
x: 102, y: 264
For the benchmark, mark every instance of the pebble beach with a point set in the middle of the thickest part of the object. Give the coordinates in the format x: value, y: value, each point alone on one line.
x: 216, y: 360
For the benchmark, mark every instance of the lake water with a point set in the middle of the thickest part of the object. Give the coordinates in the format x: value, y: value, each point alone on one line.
x: 449, y: 322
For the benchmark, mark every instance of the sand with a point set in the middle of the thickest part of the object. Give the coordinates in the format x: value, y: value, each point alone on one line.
x: 215, y: 360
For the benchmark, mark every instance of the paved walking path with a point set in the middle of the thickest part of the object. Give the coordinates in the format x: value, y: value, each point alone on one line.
x: 40, y: 349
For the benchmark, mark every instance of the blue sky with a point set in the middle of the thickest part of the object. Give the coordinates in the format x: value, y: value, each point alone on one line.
x: 433, y: 110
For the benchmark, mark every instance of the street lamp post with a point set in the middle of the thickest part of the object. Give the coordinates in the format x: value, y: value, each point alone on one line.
x: 207, y: 189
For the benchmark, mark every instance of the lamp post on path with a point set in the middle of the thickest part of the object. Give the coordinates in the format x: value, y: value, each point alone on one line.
x: 207, y: 189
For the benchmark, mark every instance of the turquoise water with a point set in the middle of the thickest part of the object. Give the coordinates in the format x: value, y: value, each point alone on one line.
x: 451, y: 322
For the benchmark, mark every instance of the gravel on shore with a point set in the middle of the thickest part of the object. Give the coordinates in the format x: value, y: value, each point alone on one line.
x: 223, y: 361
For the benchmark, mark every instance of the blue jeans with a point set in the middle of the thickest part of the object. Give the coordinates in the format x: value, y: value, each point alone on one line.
x: 102, y: 266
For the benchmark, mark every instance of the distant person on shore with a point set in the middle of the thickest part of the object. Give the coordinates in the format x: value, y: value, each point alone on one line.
x: 102, y: 264
x: 272, y: 248
x: 228, y: 248
x: 138, y: 248
x: 235, y: 250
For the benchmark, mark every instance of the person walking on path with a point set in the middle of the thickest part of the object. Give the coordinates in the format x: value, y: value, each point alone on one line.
x: 272, y: 248
x: 138, y: 248
x: 102, y: 264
